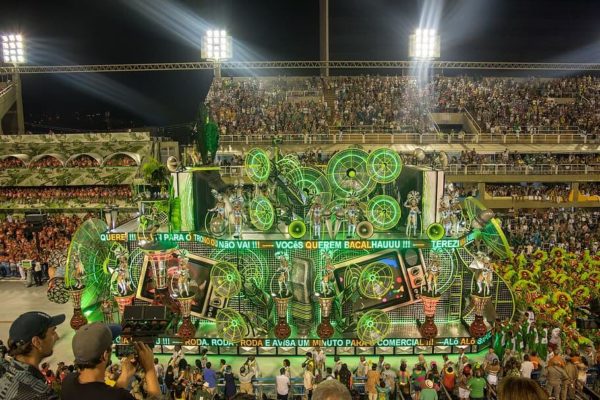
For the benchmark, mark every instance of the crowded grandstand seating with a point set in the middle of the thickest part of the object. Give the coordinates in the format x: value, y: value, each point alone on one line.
x: 28, y: 194
x: 590, y: 189
x: 547, y: 192
x: 48, y: 245
x: 261, y: 106
x: 572, y: 229
x: 120, y: 161
x: 11, y: 162
x: 46, y: 162
x: 17, y: 241
x: 394, y: 102
x: 523, y: 105
x: 83, y: 161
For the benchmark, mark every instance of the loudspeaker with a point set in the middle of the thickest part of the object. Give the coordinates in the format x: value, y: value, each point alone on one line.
x: 297, y: 229
x: 172, y: 164
x: 482, y: 218
x: 133, y: 313
x: 145, y: 313
x: 152, y: 313
x: 364, y: 230
x: 435, y: 231
x: 144, y: 321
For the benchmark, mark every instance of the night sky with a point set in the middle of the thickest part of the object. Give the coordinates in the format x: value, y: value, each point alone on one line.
x: 136, y: 31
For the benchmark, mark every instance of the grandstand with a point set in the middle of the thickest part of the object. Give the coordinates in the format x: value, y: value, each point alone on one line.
x: 550, y: 138
x: 76, y: 172
x: 526, y: 147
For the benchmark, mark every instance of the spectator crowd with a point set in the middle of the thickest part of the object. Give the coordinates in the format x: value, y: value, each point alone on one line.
x: 82, y: 161
x: 11, y: 162
x: 46, y: 245
x: 264, y: 107
x: 102, y: 193
x: 557, y: 193
x: 536, y: 371
x: 571, y: 229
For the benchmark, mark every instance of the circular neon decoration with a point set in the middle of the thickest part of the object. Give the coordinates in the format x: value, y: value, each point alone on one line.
x: 311, y: 181
x: 376, y: 280
x: 493, y: 236
x: 348, y: 175
x: 257, y: 165
x: 373, y: 326
x: 231, y: 325
x: 225, y: 279
x: 262, y: 214
x: 384, y: 165
x: 383, y: 212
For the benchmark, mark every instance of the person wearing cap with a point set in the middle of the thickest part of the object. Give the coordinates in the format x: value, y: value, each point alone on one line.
x: 428, y: 392
x: 202, y: 393
x: 31, y: 338
x: 92, y: 348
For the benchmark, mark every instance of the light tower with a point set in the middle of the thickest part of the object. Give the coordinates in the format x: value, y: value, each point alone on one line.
x: 216, y: 46
x: 424, y: 45
x: 13, y: 52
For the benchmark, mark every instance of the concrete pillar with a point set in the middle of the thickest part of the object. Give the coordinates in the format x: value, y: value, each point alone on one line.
x: 20, y: 116
x: 324, y: 33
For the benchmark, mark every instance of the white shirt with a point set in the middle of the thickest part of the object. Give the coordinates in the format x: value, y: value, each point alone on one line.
x: 362, y: 368
x: 176, y: 357
x: 283, y: 384
x: 308, y: 380
x: 526, y: 368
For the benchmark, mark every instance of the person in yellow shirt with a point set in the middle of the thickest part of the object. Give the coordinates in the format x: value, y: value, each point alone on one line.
x: 373, y: 377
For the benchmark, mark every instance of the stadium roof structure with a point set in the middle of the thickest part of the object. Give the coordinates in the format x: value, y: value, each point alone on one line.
x: 240, y: 65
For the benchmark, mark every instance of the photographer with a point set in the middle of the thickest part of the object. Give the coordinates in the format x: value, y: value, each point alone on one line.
x: 92, y: 348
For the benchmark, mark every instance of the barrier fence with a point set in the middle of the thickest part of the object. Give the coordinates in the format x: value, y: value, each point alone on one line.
x: 482, y: 169
x: 387, y: 136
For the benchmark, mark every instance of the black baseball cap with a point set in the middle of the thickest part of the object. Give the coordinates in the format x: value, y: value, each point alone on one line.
x: 32, y: 323
x: 92, y: 340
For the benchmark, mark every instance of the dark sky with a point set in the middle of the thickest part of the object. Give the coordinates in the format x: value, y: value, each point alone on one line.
x: 135, y: 31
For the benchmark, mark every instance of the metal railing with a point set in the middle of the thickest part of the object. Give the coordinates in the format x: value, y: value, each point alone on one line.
x: 473, y: 120
x: 6, y: 89
x: 511, y: 169
x: 538, y: 129
x: 482, y: 169
x: 390, y: 136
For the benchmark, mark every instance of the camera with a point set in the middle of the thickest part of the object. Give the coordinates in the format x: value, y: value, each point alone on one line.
x: 124, y: 350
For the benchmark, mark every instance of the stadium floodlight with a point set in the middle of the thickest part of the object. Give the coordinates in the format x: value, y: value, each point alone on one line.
x: 13, y: 48
x: 424, y: 44
x: 216, y: 45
